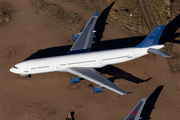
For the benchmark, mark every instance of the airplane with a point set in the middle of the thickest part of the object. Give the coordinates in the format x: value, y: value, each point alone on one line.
x: 136, y: 112
x: 82, y: 62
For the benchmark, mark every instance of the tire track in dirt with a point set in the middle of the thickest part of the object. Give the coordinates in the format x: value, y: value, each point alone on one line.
x: 9, y: 52
x: 147, y: 13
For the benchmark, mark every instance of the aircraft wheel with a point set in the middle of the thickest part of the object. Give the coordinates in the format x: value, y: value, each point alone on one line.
x: 28, y: 77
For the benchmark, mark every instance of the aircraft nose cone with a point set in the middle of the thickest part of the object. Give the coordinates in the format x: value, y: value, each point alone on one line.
x: 11, y: 70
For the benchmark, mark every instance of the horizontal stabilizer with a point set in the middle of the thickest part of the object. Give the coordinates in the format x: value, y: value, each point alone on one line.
x: 158, y: 52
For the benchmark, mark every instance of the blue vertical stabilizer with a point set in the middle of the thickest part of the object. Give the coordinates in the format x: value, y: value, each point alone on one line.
x: 152, y: 38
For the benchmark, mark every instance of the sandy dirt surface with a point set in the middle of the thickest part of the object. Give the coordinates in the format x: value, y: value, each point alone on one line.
x: 37, y: 28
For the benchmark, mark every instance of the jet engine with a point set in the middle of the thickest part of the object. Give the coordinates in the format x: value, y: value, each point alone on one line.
x: 75, y: 36
x: 98, y: 90
x: 75, y: 80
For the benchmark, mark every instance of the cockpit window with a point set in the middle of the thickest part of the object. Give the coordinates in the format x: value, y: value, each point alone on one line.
x: 15, y: 67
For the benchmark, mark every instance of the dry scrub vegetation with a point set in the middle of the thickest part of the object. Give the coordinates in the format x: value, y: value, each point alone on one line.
x: 141, y: 16
x: 5, y: 12
x: 57, y: 11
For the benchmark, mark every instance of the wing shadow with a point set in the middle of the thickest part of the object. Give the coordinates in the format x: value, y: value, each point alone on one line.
x: 149, y: 105
x: 101, y: 23
x: 120, y: 74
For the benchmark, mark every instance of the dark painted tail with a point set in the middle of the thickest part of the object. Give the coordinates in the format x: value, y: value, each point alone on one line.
x: 152, y: 38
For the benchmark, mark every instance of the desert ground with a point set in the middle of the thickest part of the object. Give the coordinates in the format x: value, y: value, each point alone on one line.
x: 40, y: 28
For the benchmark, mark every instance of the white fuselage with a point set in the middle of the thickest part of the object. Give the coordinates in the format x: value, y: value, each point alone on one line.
x: 91, y: 59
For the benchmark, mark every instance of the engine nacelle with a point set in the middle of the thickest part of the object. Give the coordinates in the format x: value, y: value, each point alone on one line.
x: 75, y: 36
x: 75, y: 80
x: 98, y: 90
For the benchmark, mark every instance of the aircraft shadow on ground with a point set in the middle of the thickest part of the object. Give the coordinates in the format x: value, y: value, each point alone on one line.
x: 149, y: 105
x: 101, y: 23
x: 120, y: 74
x: 50, y: 52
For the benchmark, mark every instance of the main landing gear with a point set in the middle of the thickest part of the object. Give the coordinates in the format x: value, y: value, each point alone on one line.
x: 28, y: 77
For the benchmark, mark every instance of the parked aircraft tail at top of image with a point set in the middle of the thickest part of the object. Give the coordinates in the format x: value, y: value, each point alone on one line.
x: 136, y: 112
x: 83, y: 63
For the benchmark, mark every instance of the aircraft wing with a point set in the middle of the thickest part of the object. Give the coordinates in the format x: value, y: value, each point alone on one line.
x: 84, y: 41
x: 136, y: 112
x: 92, y: 75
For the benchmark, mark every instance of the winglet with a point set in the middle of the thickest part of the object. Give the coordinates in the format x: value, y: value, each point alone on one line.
x: 96, y: 14
x: 128, y: 92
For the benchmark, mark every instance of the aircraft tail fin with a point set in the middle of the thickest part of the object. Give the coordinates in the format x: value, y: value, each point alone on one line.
x: 136, y: 112
x: 152, y: 38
